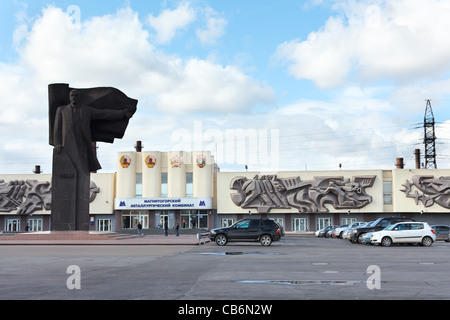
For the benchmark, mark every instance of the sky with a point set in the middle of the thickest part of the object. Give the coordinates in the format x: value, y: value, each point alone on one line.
x: 282, y: 85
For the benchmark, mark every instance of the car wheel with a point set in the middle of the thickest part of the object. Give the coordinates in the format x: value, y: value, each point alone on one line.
x: 265, y: 240
x: 427, y: 241
x: 221, y: 240
x: 386, y: 242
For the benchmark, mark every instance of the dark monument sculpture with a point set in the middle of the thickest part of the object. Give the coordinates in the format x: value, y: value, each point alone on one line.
x: 78, y: 118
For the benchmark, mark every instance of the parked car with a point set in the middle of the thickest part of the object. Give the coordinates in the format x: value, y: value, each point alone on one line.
x: 339, y: 231
x: 347, y: 232
x: 321, y: 233
x: 377, y: 225
x: 366, y: 238
x: 405, y: 232
x: 263, y: 230
x: 442, y: 232
x: 329, y: 233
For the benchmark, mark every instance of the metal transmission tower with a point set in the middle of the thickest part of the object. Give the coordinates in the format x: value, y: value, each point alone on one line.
x: 429, y: 138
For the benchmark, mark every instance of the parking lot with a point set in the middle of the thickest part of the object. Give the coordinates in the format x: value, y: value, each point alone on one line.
x: 296, y: 268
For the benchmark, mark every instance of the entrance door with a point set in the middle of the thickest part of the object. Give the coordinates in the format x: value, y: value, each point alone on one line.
x: 13, y: 225
x: 164, y: 217
x: 104, y: 225
x: 300, y: 224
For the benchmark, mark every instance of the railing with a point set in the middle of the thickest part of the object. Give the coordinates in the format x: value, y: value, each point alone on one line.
x: 202, y: 236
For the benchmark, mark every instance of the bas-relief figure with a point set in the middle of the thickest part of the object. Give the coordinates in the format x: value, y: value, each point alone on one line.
x: 29, y: 196
x: 270, y: 192
x: 77, y: 119
x: 432, y: 190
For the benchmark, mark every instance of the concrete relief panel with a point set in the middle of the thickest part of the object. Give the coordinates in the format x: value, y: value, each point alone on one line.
x: 29, y: 196
x: 270, y: 192
x: 429, y: 190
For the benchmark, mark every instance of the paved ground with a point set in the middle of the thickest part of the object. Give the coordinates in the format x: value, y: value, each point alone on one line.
x: 295, y: 268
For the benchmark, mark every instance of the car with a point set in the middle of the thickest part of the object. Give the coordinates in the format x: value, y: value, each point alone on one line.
x: 405, y: 232
x: 321, y: 232
x: 442, y: 232
x: 347, y: 232
x: 377, y: 225
x: 366, y: 238
x: 263, y: 230
x: 339, y: 231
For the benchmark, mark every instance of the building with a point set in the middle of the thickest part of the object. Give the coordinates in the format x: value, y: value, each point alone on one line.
x: 187, y: 189
x: 307, y: 201
x: 155, y: 188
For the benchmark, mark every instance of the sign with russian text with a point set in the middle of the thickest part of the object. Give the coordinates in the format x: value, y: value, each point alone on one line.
x: 163, y: 203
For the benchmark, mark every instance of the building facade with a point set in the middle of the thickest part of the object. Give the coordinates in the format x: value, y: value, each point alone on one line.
x: 187, y: 189
x: 305, y: 201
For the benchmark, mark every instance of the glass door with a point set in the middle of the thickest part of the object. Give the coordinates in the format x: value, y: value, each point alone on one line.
x: 13, y: 225
x: 300, y: 224
x: 104, y: 225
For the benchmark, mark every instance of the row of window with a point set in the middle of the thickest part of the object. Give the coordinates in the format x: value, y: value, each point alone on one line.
x: 164, y: 186
x: 33, y: 225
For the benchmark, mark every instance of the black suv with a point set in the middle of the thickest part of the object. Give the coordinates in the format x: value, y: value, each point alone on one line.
x: 263, y: 230
x: 377, y: 225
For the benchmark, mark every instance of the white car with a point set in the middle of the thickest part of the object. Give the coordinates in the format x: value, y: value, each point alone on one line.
x: 339, y: 231
x: 405, y: 232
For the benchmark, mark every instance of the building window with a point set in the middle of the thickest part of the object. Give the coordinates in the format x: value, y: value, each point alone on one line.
x: 323, y: 222
x: 226, y: 222
x: 35, y: 225
x: 387, y: 192
x: 164, y: 188
x: 348, y: 221
x: 189, y: 184
x: 12, y: 225
x: 300, y: 224
x: 138, y: 185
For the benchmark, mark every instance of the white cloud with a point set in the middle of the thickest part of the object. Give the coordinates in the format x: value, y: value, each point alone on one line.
x: 111, y: 50
x: 215, y: 28
x: 404, y: 40
x: 170, y: 21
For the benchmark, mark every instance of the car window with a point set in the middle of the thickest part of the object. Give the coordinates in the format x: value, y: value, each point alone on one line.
x: 242, y: 224
x: 403, y: 226
x: 384, y: 223
x: 254, y: 223
x: 416, y: 226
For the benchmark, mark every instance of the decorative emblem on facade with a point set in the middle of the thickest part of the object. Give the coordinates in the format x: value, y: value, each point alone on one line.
x: 432, y: 190
x: 201, y: 160
x: 30, y: 196
x: 125, y: 161
x: 150, y: 161
x: 176, y: 161
x: 270, y: 192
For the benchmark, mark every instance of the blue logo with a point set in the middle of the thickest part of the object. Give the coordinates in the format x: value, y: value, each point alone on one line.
x: 202, y: 204
x: 122, y: 204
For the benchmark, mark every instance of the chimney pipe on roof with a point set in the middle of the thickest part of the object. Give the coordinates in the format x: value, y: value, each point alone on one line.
x: 400, y: 164
x: 417, y: 157
x: 138, y: 146
x: 37, y: 169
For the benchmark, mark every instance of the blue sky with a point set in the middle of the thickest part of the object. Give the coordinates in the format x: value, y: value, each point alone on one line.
x: 275, y: 85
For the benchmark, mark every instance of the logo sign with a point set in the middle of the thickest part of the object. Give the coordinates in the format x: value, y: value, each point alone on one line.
x: 125, y: 161
x: 150, y: 161
x: 162, y: 203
